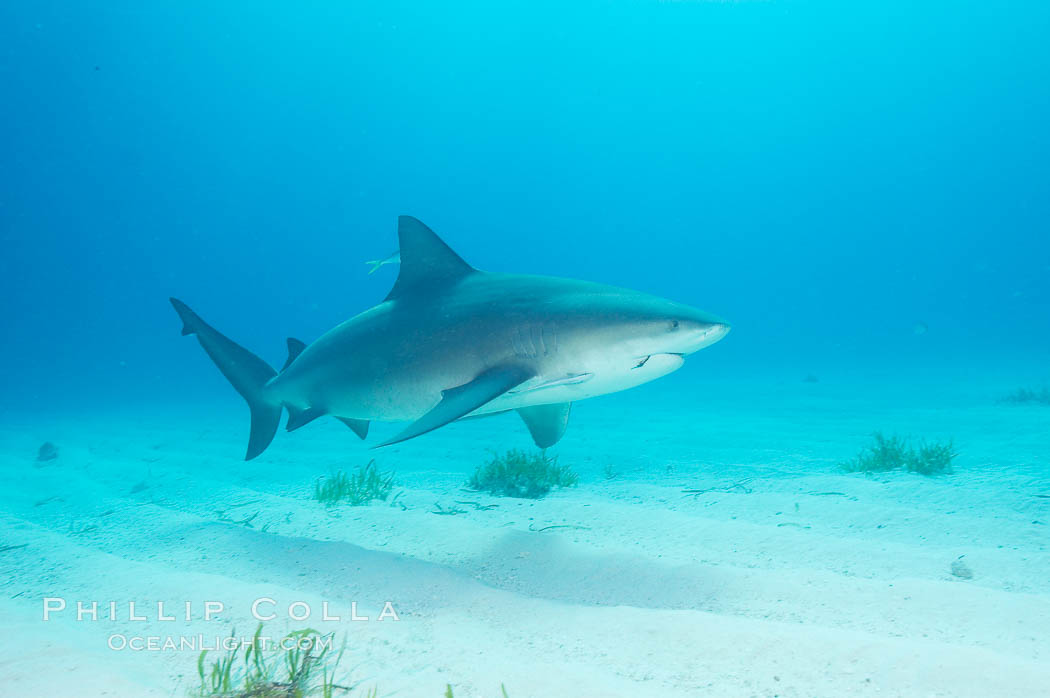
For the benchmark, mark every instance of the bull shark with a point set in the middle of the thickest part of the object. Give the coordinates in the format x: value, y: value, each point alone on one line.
x: 451, y: 342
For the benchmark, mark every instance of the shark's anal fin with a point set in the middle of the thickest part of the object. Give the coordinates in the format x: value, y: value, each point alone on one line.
x: 462, y: 400
x: 546, y: 423
x: 300, y: 418
x: 427, y: 263
x: 359, y: 426
x: 295, y: 348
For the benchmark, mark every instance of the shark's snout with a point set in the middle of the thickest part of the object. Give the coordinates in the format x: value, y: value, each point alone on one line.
x: 695, y: 334
x: 714, y: 331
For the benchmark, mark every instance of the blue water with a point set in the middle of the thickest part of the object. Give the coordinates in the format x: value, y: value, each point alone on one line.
x: 825, y: 176
x: 861, y: 188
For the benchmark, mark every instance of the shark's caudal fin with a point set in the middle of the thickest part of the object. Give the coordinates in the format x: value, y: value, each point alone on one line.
x: 246, y: 372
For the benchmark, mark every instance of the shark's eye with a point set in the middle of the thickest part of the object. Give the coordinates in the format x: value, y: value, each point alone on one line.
x: 674, y: 325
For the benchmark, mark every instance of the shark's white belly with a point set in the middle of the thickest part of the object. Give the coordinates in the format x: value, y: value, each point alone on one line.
x: 558, y: 383
x: 610, y: 377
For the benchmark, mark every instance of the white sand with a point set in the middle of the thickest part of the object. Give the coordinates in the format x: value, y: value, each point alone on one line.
x: 787, y: 578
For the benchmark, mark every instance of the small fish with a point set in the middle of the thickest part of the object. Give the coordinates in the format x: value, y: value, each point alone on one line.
x: 392, y: 258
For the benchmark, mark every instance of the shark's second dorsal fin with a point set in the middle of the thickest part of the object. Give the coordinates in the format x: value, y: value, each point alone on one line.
x: 295, y: 348
x: 427, y: 263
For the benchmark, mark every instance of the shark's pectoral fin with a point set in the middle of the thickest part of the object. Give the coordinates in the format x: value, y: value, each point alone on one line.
x: 457, y: 402
x: 546, y: 423
x: 487, y: 414
x: 360, y: 426
x: 295, y: 348
x: 300, y: 418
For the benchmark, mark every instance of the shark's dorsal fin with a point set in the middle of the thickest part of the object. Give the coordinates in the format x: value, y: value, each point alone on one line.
x: 295, y: 348
x: 427, y: 263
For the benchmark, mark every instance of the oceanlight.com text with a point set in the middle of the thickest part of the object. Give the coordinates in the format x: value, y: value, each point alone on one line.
x: 201, y: 642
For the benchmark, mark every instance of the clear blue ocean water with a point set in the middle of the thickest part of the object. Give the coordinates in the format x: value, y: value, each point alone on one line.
x: 825, y: 176
x: 862, y: 189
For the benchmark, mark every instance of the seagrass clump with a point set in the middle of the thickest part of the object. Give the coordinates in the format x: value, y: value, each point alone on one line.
x: 365, y: 484
x: 889, y: 453
x: 520, y: 474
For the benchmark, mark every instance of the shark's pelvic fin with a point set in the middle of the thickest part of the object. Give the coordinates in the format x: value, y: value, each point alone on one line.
x: 457, y: 402
x: 246, y: 372
x: 300, y: 418
x: 427, y: 263
x: 546, y: 423
x: 295, y: 348
x: 359, y: 426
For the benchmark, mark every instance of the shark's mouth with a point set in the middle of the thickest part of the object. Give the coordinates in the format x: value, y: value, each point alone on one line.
x: 645, y: 359
x: 656, y: 362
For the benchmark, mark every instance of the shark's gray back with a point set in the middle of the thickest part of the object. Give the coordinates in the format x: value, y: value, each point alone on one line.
x: 393, y: 361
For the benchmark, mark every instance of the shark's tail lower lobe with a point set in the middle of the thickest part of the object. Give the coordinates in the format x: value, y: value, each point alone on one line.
x: 246, y: 372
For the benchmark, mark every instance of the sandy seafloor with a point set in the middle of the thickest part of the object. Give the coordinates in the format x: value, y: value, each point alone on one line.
x: 787, y: 578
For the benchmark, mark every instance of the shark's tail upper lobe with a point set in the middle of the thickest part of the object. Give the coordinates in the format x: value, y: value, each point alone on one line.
x: 246, y: 372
